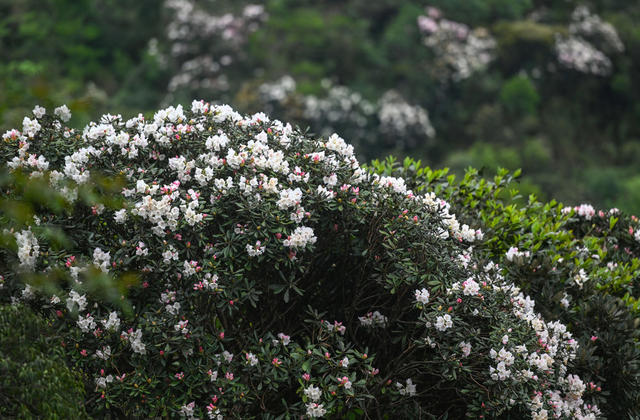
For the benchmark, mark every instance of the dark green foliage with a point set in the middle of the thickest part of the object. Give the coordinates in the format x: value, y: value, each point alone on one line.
x: 35, y: 382
x: 519, y: 96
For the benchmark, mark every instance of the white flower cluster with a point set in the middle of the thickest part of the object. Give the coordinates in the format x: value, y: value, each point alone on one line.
x: 206, y: 40
x: 403, y: 120
x: 578, y: 54
x: 171, y: 254
x: 25, y: 159
x: 28, y: 249
x: 76, y: 300
x: 112, y: 323
x: 120, y: 216
x: 517, y: 256
x: 279, y: 90
x: 252, y: 359
x: 190, y: 268
x: 182, y: 327
x: 577, y: 50
x: 30, y: 127
x: 86, y: 323
x: 315, y: 410
x: 336, y: 326
x: 168, y: 298
x: 504, y: 359
x: 135, y: 341
x: 284, y: 338
x: 443, y: 322
x: 209, y: 282
x: 583, y: 210
x: 187, y: 410
x: 422, y: 296
x: 470, y: 287
x: 160, y: 212
x: 337, y: 144
x: 589, y: 25
x: 61, y: 112
x: 101, y: 259
x: 580, y: 278
x: 76, y: 164
x: 300, y: 238
x: 102, y: 381
x: 409, y: 389
x: 340, y: 105
x: 289, y: 198
x: 104, y: 353
x: 466, y: 348
x: 373, y: 319
x: 339, y: 108
x: 396, y: 184
x: 189, y: 210
x: 460, y: 50
x: 313, y: 393
x: 549, y: 354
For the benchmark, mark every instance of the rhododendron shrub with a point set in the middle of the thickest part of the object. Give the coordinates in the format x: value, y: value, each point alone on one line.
x: 581, y: 265
x: 275, y: 275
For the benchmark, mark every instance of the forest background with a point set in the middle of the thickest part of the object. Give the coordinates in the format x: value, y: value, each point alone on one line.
x: 549, y: 86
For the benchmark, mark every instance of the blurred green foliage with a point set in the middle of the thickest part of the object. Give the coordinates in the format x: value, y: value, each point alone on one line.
x: 35, y: 381
x: 34, y: 195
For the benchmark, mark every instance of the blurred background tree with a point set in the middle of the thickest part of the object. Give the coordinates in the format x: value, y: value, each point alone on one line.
x: 547, y: 85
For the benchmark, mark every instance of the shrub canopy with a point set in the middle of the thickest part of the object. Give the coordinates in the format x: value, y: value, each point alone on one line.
x: 268, y: 273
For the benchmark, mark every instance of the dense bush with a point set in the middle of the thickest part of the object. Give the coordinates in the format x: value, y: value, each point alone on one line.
x: 275, y: 276
x: 581, y: 266
x: 34, y: 379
